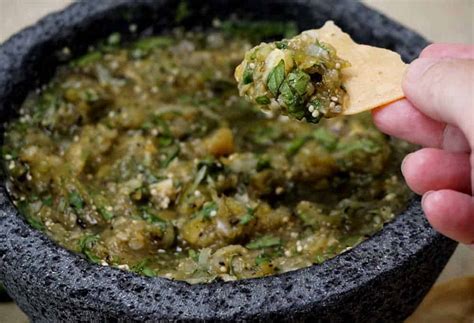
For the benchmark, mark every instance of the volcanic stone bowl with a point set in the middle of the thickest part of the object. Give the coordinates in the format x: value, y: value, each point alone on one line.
x: 382, y: 279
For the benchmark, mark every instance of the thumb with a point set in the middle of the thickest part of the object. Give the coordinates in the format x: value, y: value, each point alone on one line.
x: 443, y: 90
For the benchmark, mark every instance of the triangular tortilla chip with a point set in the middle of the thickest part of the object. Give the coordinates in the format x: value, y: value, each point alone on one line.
x: 375, y: 75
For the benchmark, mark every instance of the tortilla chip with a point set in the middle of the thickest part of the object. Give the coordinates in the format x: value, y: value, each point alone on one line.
x: 375, y: 75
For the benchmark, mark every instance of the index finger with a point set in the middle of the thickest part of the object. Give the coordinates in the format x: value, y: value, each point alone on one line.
x: 443, y: 50
x: 403, y: 120
x: 443, y: 90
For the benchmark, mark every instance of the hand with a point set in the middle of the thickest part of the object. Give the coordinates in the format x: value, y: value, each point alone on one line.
x: 438, y: 113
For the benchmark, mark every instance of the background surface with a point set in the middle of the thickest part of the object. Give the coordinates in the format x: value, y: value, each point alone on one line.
x: 437, y: 20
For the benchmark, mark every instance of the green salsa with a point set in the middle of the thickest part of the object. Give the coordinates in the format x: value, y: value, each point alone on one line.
x: 142, y: 156
x: 299, y: 77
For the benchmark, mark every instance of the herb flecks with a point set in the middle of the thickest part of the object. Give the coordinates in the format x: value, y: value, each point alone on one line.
x: 86, y: 245
x: 144, y: 268
x: 106, y: 212
x: 75, y: 200
x: 267, y: 241
x: 276, y: 77
x: 305, y: 83
x: 248, y: 74
x: 208, y: 211
x: 296, y: 144
x: 262, y: 100
x: 247, y: 217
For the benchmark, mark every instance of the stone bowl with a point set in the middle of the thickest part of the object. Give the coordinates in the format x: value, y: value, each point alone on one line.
x: 382, y: 279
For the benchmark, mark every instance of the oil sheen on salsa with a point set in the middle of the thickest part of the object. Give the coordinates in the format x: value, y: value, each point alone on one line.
x: 142, y: 156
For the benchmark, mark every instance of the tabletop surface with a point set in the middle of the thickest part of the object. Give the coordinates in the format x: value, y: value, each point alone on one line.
x: 437, y: 20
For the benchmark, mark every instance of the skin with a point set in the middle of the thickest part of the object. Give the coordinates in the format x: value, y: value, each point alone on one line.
x: 438, y: 114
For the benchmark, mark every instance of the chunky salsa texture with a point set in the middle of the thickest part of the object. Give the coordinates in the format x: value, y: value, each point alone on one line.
x: 142, y: 156
x: 299, y: 77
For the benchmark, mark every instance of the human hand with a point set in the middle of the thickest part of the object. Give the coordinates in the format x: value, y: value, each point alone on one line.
x: 438, y: 114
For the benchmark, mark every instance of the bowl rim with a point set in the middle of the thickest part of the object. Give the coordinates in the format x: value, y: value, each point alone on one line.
x: 315, y: 282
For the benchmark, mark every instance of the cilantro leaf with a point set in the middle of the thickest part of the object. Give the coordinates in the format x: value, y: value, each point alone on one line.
x: 263, y: 163
x: 170, y: 154
x: 106, y: 214
x: 295, y: 145
x: 75, y: 200
x: 283, y: 44
x: 153, y: 218
x: 326, y: 138
x: 249, y: 216
x: 262, y: 259
x: 147, y: 271
x: 87, y: 59
x: 247, y: 76
x: 365, y: 144
x: 264, y: 242
x: 142, y: 268
x: 146, y: 44
x: 208, y: 211
x: 193, y: 255
x: 292, y: 100
x: 262, y: 100
x: 276, y: 77
x: 319, y: 259
x: 298, y: 81
x: 48, y: 201
x: 86, y: 243
x: 35, y: 223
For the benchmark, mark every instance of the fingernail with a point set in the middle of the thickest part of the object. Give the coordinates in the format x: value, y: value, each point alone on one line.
x: 418, y: 68
x: 404, y: 161
x: 425, y: 196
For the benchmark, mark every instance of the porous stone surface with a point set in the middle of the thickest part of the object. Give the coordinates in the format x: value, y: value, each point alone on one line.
x: 382, y: 279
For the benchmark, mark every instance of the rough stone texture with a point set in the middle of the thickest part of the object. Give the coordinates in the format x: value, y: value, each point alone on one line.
x: 382, y: 279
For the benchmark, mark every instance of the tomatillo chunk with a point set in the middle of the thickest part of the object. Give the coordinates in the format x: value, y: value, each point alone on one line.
x: 299, y: 77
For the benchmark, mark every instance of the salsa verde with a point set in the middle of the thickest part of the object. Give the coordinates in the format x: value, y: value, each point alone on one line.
x: 142, y: 156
